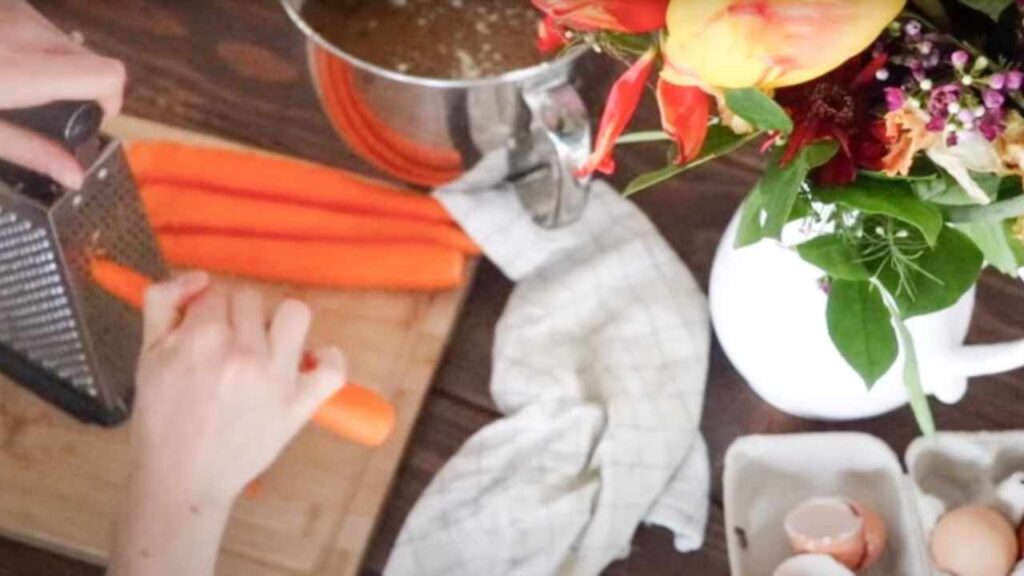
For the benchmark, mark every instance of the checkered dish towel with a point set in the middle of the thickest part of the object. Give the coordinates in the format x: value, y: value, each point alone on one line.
x: 600, y: 362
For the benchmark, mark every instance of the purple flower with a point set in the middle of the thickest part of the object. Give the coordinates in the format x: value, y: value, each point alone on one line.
x: 936, y: 124
x: 993, y: 99
x: 912, y: 28
x: 966, y: 117
x: 990, y: 127
x: 959, y: 59
x: 1014, y: 80
x: 941, y: 98
x: 997, y: 81
x: 951, y: 139
x: 894, y: 98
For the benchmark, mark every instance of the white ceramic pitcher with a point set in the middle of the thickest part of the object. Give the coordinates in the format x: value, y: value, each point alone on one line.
x: 769, y: 313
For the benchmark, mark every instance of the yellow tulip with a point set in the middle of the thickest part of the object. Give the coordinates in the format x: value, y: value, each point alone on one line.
x: 768, y: 43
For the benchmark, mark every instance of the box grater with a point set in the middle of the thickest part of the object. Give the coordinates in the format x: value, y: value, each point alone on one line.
x: 61, y: 336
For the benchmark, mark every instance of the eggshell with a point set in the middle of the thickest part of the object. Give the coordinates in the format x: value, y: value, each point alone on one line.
x: 876, y: 535
x: 812, y: 565
x: 974, y: 541
x: 827, y: 526
x: 1018, y: 570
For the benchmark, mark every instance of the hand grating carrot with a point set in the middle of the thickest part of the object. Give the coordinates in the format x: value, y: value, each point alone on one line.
x: 355, y: 413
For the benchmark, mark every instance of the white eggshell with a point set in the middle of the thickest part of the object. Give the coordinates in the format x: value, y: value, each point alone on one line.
x: 1018, y: 570
x: 812, y: 565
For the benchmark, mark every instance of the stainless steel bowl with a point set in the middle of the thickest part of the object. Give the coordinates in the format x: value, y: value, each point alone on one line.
x: 429, y: 131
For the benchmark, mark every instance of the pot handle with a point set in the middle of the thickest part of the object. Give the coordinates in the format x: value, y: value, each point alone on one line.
x: 543, y: 173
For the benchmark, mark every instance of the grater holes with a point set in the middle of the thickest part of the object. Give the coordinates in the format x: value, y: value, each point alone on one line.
x: 35, y: 315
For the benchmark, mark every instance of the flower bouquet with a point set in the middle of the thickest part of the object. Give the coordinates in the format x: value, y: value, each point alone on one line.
x: 894, y: 130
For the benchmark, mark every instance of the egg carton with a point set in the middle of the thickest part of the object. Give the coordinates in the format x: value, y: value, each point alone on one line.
x: 767, y: 476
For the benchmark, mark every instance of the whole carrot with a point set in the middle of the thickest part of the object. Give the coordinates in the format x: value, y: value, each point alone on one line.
x: 277, y: 178
x: 353, y: 266
x: 354, y: 412
x: 186, y: 209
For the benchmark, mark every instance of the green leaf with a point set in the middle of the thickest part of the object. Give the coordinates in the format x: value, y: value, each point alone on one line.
x: 643, y: 137
x: 942, y: 275
x: 934, y: 11
x: 836, y: 257
x: 861, y: 328
x: 892, y: 199
x: 720, y: 141
x: 997, y: 243
x: 780, y: 185
x: 993, y: 8
x: 911, y: 372
x: 749, y: 230
x: 759, y: 109
x: 943, y: 189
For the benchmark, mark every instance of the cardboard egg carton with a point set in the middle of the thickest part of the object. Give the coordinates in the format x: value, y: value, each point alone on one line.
x: 767, y: 476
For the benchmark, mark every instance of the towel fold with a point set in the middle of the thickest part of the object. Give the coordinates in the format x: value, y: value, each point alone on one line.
x: 600, y: 363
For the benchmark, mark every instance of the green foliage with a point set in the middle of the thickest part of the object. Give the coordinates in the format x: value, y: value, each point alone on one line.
x: 938, y: 276
x: 759, y: 109
x: 774, y: 196
x: 1002, y: 250
x: 720, y: 141
x: 861, y: 328
x: 992, y: 8
x: 911, y: 372
x: 835, y: 256
x: 892, y: 199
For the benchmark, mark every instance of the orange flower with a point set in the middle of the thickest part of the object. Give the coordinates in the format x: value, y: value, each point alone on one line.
x: 631, y: 16
x: 907, y: 133
x: 685, y: 111
x: 768, y: 43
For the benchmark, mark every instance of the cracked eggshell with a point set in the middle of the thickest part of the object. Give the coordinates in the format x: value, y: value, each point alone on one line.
x: 876, y: 536
x: 827, y: 526
x: 812, y: 565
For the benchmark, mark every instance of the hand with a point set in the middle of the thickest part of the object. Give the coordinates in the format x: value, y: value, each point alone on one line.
x: 40, y: 64
x: 219, y: 394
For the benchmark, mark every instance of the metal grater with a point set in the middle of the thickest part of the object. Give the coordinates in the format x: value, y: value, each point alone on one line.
x: 62, y: 336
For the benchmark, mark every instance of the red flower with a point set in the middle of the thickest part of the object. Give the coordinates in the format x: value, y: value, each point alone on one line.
x: 622, y: 103
x: 550, y: 36
x: 837, y: 107
x: 631, y: 16
x: 685, y: 111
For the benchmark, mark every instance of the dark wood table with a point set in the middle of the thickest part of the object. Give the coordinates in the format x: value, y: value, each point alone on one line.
x: 237, y: 68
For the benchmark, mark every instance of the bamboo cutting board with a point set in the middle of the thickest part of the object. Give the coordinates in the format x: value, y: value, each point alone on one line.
x: 61, y: 482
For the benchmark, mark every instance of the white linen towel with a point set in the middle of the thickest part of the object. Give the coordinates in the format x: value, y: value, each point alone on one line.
x: 600, y: 362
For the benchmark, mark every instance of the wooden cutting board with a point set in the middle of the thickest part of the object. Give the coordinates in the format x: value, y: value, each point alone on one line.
x: 61, y: 482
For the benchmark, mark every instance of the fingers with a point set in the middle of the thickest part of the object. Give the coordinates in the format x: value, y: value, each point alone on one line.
x: 48, y: 77
x: 288, y: 335
x: 39, y: 154
x: 248, y: 319
x: 317, y: 386
x: 210, y: 309
x: 163, y: 304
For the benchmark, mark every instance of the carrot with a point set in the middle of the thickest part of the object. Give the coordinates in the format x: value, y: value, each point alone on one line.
x: 124, y: 283
x: 276, y: 178
x: 356, y: 266
x: 176, y: 208
x: 355, y: 413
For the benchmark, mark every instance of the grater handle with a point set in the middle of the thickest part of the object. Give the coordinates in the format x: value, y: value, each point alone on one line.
x: 72, y: 123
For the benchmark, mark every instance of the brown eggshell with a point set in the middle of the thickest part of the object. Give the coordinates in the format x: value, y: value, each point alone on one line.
x: 876, y: 536
x: 974, y: 541
x: 827, y: 526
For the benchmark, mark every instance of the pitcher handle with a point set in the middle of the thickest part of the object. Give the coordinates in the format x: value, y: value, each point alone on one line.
x: 544, y: 176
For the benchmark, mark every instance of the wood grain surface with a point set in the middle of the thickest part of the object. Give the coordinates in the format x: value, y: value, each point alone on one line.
x: 235, y: 68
